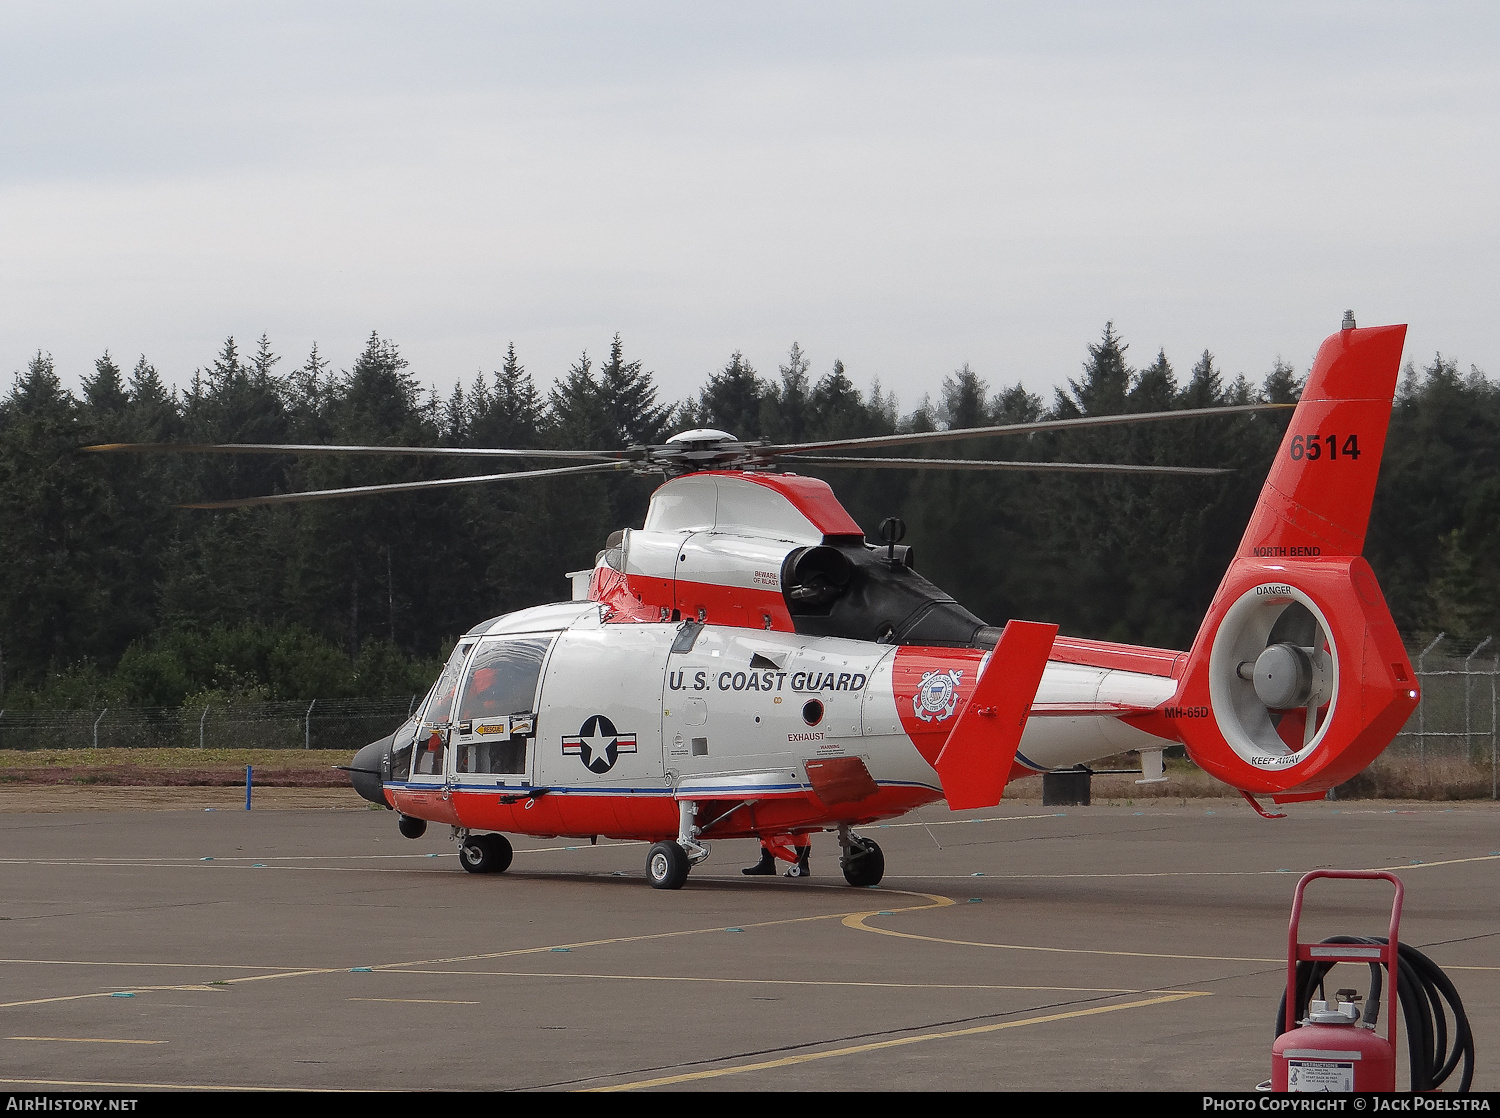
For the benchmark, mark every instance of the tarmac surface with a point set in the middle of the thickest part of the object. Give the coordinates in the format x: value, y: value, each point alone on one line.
x: 1016, y: 948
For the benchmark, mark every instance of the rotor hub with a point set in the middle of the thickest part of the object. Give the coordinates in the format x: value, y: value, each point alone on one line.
x: 703, y: 448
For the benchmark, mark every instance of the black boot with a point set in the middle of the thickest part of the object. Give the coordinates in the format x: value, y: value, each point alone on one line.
x: 800, y: 869
x: 766, y: 866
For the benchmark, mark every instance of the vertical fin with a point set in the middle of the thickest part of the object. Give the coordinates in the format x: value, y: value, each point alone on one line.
x: 1316, y: 499
x: 977, y: 757
x: 1302, y: 549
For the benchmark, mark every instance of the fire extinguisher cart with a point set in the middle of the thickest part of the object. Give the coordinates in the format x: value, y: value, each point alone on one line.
x: 1333, y: 1049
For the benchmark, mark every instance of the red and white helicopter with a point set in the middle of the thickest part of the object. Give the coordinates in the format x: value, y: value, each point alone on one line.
x: 746, y: 665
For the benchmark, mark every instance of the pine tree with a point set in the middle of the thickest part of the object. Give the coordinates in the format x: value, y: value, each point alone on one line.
x: 964, y: 397
x: 1106, y: 380
x: 628, y: 397
x: 1281, y: 385
x: 785, y: 407
x: 508, y: 416
x: 732, y: 399
x: 104, y: 392
x: 1155, y: 387
x: 1206, y: 387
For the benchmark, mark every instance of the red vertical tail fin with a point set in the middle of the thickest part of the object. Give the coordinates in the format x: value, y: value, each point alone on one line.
x: 1316, y: 500
x: 1298, y: 678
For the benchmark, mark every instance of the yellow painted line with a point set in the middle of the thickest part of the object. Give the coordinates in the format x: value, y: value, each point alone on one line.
x: 957, y: 822
x: 184, y: 860
x: 84, y: 1040
x: 854, y: 1050
x: 117, y: 963
x: 1174, y: 873
x: 763, y: 982
x: 411, y: 1001
x: 206, y: 866
x: 266, y: 861
x: 1449, y: 862
x: 192, y: 986
x: 104, y: 994
x: 857, y: 922
x: 166, y: 1086
x: 934, y: 901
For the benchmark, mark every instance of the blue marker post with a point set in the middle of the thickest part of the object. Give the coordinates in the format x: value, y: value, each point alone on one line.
x: 249, y: 780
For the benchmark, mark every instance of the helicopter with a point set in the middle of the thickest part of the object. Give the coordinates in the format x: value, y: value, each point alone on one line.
x: 747, y: 665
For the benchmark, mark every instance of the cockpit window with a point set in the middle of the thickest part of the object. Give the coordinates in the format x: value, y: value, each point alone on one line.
x: 503, y: 677
x: 440, y: 701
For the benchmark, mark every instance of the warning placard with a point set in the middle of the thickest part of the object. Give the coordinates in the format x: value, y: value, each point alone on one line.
x: 1319, y: 1075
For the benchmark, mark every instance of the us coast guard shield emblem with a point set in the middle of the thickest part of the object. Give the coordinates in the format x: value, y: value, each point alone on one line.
x: 937, y: 695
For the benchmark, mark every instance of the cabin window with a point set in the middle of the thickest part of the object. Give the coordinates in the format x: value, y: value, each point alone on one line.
x: 429, y: 755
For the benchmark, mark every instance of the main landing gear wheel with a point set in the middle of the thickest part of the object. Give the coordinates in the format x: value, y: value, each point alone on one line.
x: 866, y: 866
x: 667, y: 865
x: 486, y: 854
x: 411, y: 828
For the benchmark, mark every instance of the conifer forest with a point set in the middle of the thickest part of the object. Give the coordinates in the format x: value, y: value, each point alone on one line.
x: 111, y: 593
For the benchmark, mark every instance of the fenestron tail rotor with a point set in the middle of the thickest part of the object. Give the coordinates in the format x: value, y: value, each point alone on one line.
x: 700, y: 449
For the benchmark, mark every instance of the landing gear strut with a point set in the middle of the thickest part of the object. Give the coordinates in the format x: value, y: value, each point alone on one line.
x: 668, y: 863
x: 860, y: 858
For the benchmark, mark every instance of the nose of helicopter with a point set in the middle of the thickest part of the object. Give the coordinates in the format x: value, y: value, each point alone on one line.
x: 365, y: 771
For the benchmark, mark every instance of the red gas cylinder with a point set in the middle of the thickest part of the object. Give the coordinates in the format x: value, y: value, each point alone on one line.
x: 1332, y: 1052
x: 1331, y: 1049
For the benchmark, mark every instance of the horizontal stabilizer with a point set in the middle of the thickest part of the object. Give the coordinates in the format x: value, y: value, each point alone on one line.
x: 977, y: 757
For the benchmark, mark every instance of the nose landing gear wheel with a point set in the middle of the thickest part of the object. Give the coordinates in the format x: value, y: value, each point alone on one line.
x: 667, y: 865
x: 866, y: 867
x: 486, y: 854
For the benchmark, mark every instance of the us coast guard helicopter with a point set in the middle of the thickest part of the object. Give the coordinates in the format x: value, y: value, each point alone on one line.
x: 746, y: 665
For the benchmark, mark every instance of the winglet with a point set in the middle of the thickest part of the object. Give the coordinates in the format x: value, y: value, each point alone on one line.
x: 977, y: 757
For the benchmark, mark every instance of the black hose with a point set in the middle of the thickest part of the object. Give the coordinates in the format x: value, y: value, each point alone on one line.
x: 1422, y: 988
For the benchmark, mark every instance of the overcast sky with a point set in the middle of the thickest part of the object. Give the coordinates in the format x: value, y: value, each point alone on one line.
x: 903, y: 186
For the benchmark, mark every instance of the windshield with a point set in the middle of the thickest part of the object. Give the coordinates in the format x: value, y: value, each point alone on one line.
x: 440, y: 699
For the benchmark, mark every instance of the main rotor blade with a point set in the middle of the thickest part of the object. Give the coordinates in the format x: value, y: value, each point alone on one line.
x: 405, y: 486
x: 324, y: 448
x: 1016, y: 428
x: 980, y: 464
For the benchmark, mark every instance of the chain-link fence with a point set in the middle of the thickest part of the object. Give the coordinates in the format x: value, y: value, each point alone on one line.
x: 1451, y: 737
x: 314, y: 724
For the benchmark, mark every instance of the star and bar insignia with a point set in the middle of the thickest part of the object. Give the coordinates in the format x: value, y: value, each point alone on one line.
x: 598, y: 744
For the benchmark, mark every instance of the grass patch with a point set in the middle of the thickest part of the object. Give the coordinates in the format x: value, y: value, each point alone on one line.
x: 1410, y: 778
